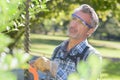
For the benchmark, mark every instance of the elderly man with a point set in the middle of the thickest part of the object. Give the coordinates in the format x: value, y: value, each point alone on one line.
x: 66, y: 56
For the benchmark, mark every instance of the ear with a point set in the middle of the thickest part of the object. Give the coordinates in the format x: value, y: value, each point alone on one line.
x: 90, y: 31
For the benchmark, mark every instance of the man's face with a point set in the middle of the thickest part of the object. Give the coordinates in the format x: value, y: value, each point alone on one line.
x: 79, y: 25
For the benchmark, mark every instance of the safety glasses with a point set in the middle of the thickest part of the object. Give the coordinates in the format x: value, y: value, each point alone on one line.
x: 85, y: 23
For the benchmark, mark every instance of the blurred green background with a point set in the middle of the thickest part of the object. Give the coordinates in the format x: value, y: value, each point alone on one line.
x: 48, y: 21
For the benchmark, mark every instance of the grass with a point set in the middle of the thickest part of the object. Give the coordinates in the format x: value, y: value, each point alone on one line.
x: 44, y: 45
x: 111, y: 71
x: 107, y: 48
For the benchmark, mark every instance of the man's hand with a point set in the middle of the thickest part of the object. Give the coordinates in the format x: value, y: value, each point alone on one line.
x: 43, y: 64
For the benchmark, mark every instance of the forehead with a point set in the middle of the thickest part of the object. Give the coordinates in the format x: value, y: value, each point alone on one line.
x: 85, y: 16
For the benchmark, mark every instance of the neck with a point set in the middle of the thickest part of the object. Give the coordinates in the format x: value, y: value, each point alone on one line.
x: 73, y: 42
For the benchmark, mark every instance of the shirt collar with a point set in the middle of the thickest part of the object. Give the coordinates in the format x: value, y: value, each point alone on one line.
x: 81, y: 46
x: 77, y: 49
x: 64, y: 45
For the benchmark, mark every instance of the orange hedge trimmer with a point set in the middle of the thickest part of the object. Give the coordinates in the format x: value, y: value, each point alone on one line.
x: 34, y: 72
x: 42, y: 64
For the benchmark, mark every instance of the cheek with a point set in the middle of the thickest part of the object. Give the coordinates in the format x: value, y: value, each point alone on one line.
x: 81, y: 31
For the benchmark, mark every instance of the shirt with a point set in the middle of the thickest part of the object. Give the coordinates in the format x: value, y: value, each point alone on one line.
x: 66, y: 65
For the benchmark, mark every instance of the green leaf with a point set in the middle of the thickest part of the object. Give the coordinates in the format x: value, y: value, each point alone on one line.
x: 83, y: 70
x: 6, y: 75
x: 74, y: 76
x: 4, y: 41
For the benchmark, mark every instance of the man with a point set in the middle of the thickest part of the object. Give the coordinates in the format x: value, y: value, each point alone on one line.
x: 70, y: 52
x: 83, y: 23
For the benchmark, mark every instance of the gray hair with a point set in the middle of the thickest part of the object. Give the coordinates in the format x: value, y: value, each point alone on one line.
x: 88, y: 9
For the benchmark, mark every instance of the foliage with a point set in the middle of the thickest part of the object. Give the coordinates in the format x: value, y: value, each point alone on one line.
x: 104, y: 8
x: 8, y: 13
x: 89, y: 70
x: 55, y: 15
x: 60, y: 11
x: 7, y: 75
x: 108, y: 30
x: 4, y: 41
x: 9, y: 63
